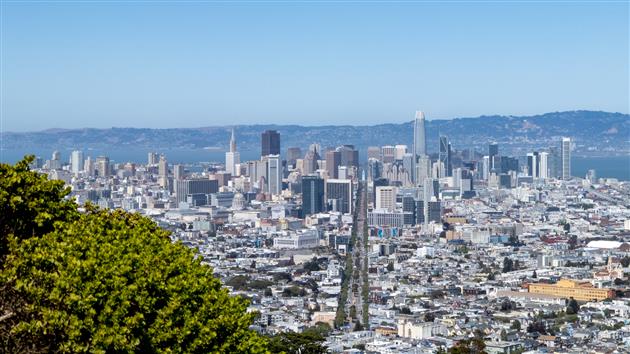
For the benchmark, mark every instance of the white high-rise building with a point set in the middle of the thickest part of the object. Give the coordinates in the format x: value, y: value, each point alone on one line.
x: 532, y: 164
x: 76, y: 162
x: 232, y: 157
x: 163, y: 172
x: 274, y: 174
x: 386, y: 198
x: 178, y: 172
x: 89, y: 166
x: 428, y: 195
x: 485, y: 171
x: 388, y: 153
x: 565, y: 158
x: 153, y: 158
x: 543, y: 165
x: 422, y: 169
x: 400, y: 151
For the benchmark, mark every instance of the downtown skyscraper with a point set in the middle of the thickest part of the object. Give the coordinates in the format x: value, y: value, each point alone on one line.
x: 270, y: 143
x: 565, y: 158
x: 419, y: 143
x: 232, y: 157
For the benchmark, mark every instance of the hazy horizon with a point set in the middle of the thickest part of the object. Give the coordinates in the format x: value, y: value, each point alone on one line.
x: 302, y: 125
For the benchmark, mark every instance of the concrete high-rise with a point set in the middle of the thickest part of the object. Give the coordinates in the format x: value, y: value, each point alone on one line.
x: 386, y: 198
x: 333, y: 161
x: 565, y: 158
x: 422, y: 169
x: 532, y: 164
x: 543, y: 165
x: 232, y: 157
x: 293, y: 153
x: 270, y: 143
x: 88, y: 166
x: 493, y: 154
x: 185, y: 187
x: 349, y: 155
x: 312, y: 195
x: 310, y: 164
x: 76, y: 161
x: 102, y: 166
x: 178, y: 172
x: 388, y: 154
x: 153, y: 158
x: 163, y: 172
x: 374, y: 152
x: 274, y: 175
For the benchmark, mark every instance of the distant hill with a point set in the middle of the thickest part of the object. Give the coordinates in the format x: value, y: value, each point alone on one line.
x: 594, y: 133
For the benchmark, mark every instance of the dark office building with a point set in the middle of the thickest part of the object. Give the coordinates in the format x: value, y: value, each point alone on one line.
x: 349, y: 156
x: 409, y: 205
x: 339, y: 195
x: 505, y: 181
x: 333, y: 161
x: 435, y: 211
x: 493, y: 149
x: 532, y: 164
x: 493, y: 153
x: 293, y: 153
x: 419, y: 211
x: 312, y: 195
x: 509, y: 164
x: 194, y: 186
x: 270, y: 143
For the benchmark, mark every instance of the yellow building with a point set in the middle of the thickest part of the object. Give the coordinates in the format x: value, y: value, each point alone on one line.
x: 566, y: 288
x: 456, y: 220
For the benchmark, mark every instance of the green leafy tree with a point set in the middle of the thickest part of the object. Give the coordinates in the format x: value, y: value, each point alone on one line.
x: 358, y: 326
x: 516, y: 325
x: 508, y: 265
x: 30, y: 204
x: 104, y: 281
x: 572, y: 307
x: 469, y: 346
x: 297, y: 343
x: 113, y: 282
x: 320, y: 328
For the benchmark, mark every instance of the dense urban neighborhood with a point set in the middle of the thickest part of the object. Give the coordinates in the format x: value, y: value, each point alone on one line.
x: 411, y: 252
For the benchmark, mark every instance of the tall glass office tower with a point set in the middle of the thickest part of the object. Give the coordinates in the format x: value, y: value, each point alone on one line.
x: 419, y: 143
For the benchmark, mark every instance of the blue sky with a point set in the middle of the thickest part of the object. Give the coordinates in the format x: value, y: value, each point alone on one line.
x: 161, y: 64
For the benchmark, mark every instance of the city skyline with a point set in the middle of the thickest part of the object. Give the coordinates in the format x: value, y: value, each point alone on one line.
x: 318, y: 63
x: 281, y: 176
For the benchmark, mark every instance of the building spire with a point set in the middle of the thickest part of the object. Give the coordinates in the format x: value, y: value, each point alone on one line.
x: 232, y: 142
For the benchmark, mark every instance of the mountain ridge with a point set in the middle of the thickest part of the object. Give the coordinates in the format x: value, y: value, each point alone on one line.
x: 591, y: 130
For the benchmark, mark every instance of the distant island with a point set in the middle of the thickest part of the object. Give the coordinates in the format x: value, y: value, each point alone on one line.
x: 594, y: 133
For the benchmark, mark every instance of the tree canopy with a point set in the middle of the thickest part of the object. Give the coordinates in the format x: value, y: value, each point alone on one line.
x: 105, y: 281
x: 30, y: 204
x: 297, y: 343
